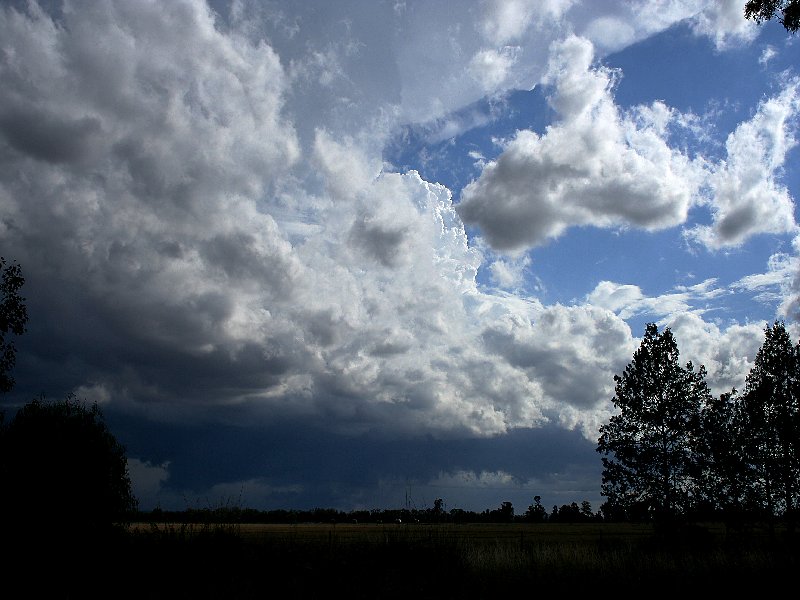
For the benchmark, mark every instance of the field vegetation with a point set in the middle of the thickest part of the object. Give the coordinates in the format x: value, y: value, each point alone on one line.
x: 449, y: 560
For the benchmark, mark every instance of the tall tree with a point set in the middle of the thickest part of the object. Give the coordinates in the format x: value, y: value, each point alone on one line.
x: 13, y: 317
x: 770, y: 416
x: 651, y: 445
x: 723, y: 470
x: 766, y: 10
x: 536, y: 513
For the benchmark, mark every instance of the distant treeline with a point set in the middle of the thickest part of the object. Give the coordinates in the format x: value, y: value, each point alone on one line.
x: 567, y: 513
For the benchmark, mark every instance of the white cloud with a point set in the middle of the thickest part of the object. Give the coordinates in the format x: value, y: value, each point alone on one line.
x: 596, y: 166
x: 610, y: 32
x: 778, y: 285
x: 506, y: 21
x: 571, y: 354
x: 745, y: 195
x: 724, y: 23
x: 490, y: 67
x: 727, y: 354
x: 509, y: 273
x: 628, y: 300
x: 767, y: 55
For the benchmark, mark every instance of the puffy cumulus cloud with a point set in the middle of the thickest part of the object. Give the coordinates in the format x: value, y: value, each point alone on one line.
x: 727, y: 354
x: 344, y: 166
x: 745, y: 196
x: 570, y: 352
x: 726, y: 350
x: 509, y: 273
x: 601, y: 167
x: 595, y: 166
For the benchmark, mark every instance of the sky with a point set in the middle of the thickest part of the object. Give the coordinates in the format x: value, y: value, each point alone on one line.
x: 367, y: 254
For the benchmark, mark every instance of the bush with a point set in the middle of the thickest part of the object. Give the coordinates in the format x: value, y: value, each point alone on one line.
x: 63, y: 472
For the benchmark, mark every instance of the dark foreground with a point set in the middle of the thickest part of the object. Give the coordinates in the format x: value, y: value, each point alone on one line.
x: 414, y: 561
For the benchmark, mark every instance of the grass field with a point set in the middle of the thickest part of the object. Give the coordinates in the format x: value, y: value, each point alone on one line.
x: 466, y: 560
x: 413, y: 561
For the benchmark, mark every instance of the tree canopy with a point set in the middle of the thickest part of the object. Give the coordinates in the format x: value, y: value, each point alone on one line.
x: 675, y: 450
x: 770, y: 421
x: 766, y: 10
x: 61, y: 468
x: 650, y: 447
x: 13, y: 317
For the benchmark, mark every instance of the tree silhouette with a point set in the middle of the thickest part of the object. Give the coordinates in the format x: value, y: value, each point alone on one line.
x: 765, y: 10
x: 63, y: 472
x: 13, y: 317
x: 536, y: 513
x: 650, y: 447
x: 770, y: 415
x: 723, y: 476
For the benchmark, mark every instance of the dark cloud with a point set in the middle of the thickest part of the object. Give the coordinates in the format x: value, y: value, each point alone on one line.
x: 50, y: 138
x: 382, y: 244
x: 311, y: 467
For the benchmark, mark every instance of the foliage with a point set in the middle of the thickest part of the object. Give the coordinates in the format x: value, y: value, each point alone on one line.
x: 13, y: 317
x: 765, y: 10
x: 723, y: 488
x: 63, y: 471
x: 651, y: 446
x: 674, y: 449
x: 536, y: 513
x: 770, y: 424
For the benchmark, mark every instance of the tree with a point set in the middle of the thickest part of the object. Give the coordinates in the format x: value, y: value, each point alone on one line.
x: 504, y: 514
x: 765, y: 10
x: 13, y: 317
x: 770, y: 422
x: 437, y: 512
x: 651, y: 446
x: 536, y: 513
x: 569, y: 513
x: 722, y: 474
x: 63, y: 472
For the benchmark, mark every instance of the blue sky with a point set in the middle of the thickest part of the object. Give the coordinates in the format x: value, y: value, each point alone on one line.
x: 342, y: 254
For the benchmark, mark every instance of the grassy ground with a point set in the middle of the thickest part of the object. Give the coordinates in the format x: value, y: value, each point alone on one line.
x: 426, y: 561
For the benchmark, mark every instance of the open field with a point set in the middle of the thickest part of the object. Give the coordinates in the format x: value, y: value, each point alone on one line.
x: 468, y: 560
x: 419, y: 561
x: 365, y: 532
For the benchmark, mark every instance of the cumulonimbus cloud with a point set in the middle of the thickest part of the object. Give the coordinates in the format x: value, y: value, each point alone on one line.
x: 192, y: 248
